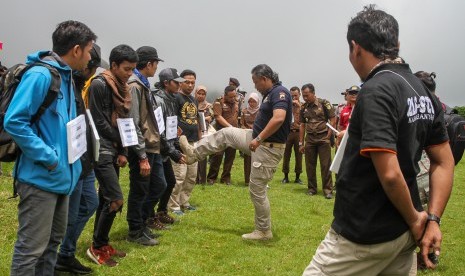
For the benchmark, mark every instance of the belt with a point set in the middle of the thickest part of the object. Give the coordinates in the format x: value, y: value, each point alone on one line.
x: 294, y: 130
x: 274, y: 145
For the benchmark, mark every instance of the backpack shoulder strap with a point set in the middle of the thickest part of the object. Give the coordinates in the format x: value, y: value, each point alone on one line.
x: 52, y: 92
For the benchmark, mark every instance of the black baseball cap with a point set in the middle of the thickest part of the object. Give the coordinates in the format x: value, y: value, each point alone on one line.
x: 147, y: 53
x: 168, y: 74
x: 352, y: 88
x: 95, y: 57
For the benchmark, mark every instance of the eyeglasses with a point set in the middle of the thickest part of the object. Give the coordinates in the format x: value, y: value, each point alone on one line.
x: 353, y: 92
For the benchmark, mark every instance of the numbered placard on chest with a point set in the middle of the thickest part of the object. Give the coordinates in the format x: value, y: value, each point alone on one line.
x: 76, y: 138
x: 127, y: 131
x: 171, y: 127
x: 159, y: 117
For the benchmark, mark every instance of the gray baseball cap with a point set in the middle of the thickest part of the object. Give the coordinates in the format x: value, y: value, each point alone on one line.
x: 168, y: 74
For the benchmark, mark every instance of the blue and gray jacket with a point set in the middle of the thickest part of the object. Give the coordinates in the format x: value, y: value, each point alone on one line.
x: 44, y: 144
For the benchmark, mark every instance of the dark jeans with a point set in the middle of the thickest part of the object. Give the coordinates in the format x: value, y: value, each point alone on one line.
x: 42, y: 224
x: 144, y: 192
x: 107, y: 174
x: 82, y: 205
x: 170, y: 183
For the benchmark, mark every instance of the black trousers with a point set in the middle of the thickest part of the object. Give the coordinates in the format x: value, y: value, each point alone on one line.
x: 144, y: 191
x: 107, y: 174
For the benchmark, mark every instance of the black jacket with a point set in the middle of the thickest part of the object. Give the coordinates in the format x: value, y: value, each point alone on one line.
x: 101, y: 108
x: 87, y: 159
x: 169, y: 106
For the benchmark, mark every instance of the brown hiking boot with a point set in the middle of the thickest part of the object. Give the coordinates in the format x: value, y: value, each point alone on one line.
x: 156, y: 224
x: 165, y: 218
x: 187, y: 149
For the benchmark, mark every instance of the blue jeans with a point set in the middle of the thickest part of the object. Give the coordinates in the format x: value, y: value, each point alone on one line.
x: 144, y: 192
x: 42, y: 224
x: 82, y: 205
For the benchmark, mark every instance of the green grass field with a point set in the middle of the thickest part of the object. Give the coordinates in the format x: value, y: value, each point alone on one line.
x: 208, y: 241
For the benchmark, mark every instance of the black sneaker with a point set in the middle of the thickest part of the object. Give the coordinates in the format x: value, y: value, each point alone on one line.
x: 151, y: 234
x: 72, y: 265
x: 298, y: 181
x: 142, y: 238
x: 285, y: 180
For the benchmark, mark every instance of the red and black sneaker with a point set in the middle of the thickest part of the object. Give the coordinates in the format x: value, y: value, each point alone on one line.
x: 101, y: 256
x: 113, y: 252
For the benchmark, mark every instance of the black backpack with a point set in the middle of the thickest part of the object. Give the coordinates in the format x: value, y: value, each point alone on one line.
x: 455, y: 125
x: 9, y: 81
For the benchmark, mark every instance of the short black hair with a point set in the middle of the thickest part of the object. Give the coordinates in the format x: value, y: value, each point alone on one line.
x: 69, y: 34
x: 122, y: 53
x: 376, y: 31
x: 228, y: 89
x: 294, y: 88
x: 309, y: 86
x: 188, y: 72
x: 427, y: 79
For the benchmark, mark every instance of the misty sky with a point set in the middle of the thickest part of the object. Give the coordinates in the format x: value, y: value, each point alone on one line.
x: 304, y: 41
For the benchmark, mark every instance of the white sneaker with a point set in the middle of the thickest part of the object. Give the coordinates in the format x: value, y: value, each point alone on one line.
x: 258, y: 235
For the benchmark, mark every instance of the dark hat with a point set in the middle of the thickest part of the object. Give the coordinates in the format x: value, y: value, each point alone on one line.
x: 235, y: 81
x: 168, y: 74
x: 95, y: 57
x: 147, y: 53
x: 352, y: 88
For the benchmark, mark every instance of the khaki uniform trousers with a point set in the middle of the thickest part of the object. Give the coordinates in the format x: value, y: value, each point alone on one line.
x: 292, y: 142
x: 215, y: 164
x: 313, y: 150
x: 338, y: 256
x: 265, y: 159
x: 185, y: 181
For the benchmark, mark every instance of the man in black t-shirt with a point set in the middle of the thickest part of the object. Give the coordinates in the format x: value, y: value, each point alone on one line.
x: 265, y: 144
x: 188, y: 122
x: 377, y: 212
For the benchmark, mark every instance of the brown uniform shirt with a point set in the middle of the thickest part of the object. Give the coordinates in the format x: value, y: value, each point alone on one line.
x: 295, y: 125
x: 248, y: 118
x: 313, y: 115
x: 227, y: 110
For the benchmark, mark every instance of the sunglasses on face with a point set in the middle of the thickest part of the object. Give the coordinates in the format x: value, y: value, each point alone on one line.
x: 352, y: 92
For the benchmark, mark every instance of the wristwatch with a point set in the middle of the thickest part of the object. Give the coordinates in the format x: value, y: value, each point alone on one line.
x: 433, y: 217
x: 143, y: 158
x: 258, y: 138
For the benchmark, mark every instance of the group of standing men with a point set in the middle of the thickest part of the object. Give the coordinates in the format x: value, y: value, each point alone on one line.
x: 60, y: 192
x: 377, y: 210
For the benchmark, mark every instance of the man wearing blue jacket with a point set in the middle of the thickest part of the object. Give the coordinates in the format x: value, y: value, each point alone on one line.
x: 44, y: 176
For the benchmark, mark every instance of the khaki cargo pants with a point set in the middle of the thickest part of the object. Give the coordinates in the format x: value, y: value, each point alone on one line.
x: 265, y: 159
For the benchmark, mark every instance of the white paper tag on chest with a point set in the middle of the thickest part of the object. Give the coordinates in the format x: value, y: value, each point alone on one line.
x: 171, y: 127
x: 76, y: 138
x: 127, y: 131
x: 159, y: 117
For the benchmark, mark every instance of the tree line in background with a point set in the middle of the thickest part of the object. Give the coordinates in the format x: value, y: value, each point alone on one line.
x: 461, y: 110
